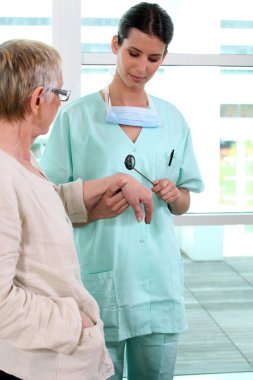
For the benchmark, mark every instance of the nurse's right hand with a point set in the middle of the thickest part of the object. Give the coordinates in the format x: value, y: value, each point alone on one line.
x: 136, y: 194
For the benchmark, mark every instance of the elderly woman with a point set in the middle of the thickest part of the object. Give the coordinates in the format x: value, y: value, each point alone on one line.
x: 50, y: 326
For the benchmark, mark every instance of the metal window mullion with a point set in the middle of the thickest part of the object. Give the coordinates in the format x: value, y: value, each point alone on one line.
x: 226, y: 60
x: 66, y: 27
x: 214, y: 219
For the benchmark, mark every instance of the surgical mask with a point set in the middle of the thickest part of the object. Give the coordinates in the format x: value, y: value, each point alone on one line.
x: 133, y: 116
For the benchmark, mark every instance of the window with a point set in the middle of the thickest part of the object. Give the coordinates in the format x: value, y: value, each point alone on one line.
x: 202, y: 71
x: 208, y: 72
x: 26, y: 19
x: 31, y: 20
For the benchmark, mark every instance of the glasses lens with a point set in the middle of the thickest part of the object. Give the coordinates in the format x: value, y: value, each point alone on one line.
x: 63, y: 94
x: 63, y: 97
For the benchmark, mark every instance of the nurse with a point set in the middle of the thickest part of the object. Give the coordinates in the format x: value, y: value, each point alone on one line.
x: 134, y: 270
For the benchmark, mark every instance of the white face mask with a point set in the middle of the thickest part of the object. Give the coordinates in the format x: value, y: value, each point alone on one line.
x: 133, y: 116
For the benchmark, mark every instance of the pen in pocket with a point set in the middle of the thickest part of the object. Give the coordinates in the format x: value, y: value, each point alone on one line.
x: 171, y: 157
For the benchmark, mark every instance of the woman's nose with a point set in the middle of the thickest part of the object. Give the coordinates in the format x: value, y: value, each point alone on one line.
x: 142, y: 64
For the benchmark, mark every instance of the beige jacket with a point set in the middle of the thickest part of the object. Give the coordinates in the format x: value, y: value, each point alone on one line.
x: 41, y: 293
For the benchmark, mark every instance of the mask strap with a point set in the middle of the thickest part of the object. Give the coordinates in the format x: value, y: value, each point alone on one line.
x: 151, y: 103
x: 109, y: 105
x: 107, y: 98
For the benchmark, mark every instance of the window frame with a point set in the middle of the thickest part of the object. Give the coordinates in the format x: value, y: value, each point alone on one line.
x: 66, y: 25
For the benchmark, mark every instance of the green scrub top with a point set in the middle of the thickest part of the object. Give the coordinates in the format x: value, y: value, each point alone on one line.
x: 133, y: 270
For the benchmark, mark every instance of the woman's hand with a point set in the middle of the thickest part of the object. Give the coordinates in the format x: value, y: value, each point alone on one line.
x: 86, y: 321
x: 134, y: 193
x: 111, y: 204
x: 127, y: 191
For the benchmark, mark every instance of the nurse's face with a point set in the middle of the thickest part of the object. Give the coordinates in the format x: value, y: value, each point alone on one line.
x: 138, y: 58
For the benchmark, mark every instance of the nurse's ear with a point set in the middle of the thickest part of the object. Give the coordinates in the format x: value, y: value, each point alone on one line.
x: 164, y: 55
x: 114, y: 44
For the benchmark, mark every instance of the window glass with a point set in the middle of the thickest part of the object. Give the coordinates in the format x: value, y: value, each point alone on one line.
x: 26, y: 19
x: 237, y: 240
x: 217, y: 104
x: 208, y: 26
x: 32, y: 20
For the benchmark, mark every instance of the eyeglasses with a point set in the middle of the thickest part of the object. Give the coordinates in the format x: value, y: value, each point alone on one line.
x: 63, y: 94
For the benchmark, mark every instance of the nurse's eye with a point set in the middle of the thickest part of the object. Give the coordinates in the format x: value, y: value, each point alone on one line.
x: 133, y: 54
x: 154, y: 59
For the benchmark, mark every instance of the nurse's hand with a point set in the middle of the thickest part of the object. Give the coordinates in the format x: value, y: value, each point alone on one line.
x: 166, y: 190
x: 137, y: 194
x: 111, y: 204
x: 178, y: 199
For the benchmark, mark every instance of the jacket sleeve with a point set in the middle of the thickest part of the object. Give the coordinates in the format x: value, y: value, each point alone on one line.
x: 56, y: 160
x: 27, y: 319
x: 57, y: 165
x: 189, y: 175
x: 72, y: 197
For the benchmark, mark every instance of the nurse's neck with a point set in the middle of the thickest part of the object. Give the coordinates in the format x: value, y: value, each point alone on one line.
x: 122, y: 95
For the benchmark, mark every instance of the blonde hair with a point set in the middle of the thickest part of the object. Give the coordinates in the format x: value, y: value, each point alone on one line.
x: 25, y: 65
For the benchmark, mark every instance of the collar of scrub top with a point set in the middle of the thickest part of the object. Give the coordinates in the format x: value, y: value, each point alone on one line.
x: 132, y: 116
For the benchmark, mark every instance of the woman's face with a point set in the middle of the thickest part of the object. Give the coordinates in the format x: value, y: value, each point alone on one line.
x: 48, y: 110
x: 52, y: 107
x: 138, y: 58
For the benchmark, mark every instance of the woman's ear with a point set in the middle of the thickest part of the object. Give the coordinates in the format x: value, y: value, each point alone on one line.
x: 114, y: 44
x: 35, y: 99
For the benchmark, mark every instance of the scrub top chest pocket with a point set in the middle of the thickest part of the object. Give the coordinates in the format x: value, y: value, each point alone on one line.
x: 168, y: 166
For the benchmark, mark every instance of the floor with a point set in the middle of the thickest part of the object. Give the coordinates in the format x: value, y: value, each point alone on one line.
x: 219, y: 306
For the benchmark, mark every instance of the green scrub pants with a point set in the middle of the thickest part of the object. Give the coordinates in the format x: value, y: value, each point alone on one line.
x: 149, y: 357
